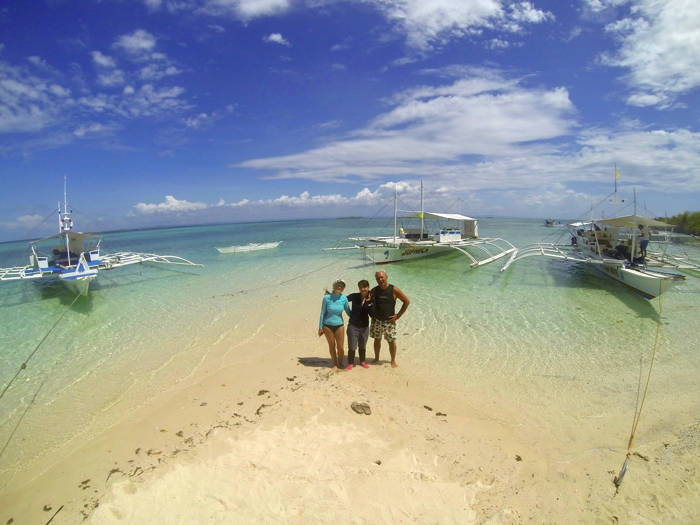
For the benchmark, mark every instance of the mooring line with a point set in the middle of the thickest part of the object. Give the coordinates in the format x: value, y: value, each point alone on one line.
x: 287, y: 281
x: 24, y: 365
x: 638, y: 413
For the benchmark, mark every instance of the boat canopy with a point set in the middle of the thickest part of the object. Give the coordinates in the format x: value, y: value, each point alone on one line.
x: 73, y: 236
x: 430, y: 215
x: 629, y: 221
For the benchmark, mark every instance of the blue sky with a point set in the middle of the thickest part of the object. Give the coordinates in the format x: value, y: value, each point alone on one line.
x: 170, y: 112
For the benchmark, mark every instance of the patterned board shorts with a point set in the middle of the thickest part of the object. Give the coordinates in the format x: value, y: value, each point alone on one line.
x: 386, y: 328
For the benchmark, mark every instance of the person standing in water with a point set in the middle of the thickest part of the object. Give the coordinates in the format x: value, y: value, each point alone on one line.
x: 358, y: 324
x: 385, y: 316
x: 331, y: 323
x: 644, y: 238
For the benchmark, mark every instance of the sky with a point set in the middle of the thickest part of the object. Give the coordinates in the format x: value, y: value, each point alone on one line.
x: 185, y: 112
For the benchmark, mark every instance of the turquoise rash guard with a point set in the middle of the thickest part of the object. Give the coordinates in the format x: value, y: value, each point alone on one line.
x: 332, y: 309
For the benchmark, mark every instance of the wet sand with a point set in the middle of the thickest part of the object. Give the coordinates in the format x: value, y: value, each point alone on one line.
x: 274, y: 439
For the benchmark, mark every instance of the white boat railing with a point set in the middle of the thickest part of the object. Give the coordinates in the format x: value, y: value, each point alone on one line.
x: 18, y: 272
x: 108, y: 262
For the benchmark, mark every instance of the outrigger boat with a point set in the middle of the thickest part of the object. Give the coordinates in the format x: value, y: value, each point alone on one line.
x: 612, y: 247
x: 460, y: 234
x: 252, y: 247
x: 75, y: 258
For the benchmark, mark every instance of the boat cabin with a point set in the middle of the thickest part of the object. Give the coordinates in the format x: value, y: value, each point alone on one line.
x: 461, y: 227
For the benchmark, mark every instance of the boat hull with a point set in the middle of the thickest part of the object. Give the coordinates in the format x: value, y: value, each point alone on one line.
x: 248, y: 247
x: 385, y: 254
x: 648, y: 284
x: 78, y: 284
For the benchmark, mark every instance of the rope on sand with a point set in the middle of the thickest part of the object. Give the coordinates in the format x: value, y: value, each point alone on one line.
x: 640, y: 404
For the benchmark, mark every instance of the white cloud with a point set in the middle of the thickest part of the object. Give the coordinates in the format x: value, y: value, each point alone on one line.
x: 198, y: 121
x: 113, y: 78
x: 171, y: 205
x: 103, y: 60
x: 28, y: 102
x: 245, y: 9
x: 37, y: 61
x: 157, y: 71
x: 497, y: 43
x: 23, y: 223
x: 138, y: 42
x: 433, y: 127
x: 91, y: 129
x: 660, y: 47
x: 153, y: 5
x: 276, y: 38
x: 427, y: 24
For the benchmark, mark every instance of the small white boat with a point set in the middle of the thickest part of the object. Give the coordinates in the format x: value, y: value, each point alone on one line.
x: 252, y: 247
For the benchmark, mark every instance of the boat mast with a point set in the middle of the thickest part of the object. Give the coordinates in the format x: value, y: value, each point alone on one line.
x: 634, y: 227
x: 421, y: 209
x: 65, y: 215
x: 395, y: 211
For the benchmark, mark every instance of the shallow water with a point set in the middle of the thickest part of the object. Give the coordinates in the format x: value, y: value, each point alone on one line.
x: 548, y: 335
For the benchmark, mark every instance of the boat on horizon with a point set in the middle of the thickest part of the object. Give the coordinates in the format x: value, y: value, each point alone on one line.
x: 450, y: 233
x: 74, y: 258
x: 251, y: 247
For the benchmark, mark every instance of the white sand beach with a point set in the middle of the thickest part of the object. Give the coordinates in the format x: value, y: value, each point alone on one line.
x: 273, y: 439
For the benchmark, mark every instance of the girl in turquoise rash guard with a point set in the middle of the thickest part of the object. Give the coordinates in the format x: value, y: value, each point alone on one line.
x: 332, y: 325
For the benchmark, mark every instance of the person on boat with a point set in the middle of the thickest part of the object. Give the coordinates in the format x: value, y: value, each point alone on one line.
x: 644, y: 238
x: 331, y: 323
x: 385, y: 316
x: 358, y: 324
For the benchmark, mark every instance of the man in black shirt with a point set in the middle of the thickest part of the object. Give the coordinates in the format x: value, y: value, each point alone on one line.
x: 358, y: 324
x: 385, y: 316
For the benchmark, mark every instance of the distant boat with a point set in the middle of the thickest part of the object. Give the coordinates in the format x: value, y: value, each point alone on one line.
x: 252, y: 247
x: 550, y: 223
x: 415, y: 243
x: 74, y: 257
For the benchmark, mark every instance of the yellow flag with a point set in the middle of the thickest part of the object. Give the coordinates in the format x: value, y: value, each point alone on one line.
x: 617, y: 175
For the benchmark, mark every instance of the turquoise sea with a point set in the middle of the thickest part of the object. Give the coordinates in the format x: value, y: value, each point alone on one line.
x: 547, y: 335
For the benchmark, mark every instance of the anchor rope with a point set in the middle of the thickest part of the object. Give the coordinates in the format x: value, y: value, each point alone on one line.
x: 23, y: 366
x: 286, y: 281
x: 638, y: 415
x: 640, y: 403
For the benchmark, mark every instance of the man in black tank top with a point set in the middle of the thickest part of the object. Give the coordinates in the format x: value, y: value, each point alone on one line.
x: 385, y: 316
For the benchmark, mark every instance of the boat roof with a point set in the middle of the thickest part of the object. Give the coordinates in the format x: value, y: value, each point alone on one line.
x: 627, y: 221
x: 74, y: 235
x: 432, y: 215
x: 631, y: 220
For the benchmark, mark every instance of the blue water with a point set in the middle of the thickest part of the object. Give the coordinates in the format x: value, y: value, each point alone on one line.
x: 546, y: 334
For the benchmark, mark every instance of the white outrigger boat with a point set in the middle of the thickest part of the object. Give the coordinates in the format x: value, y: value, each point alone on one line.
x: 75, y: 259
x: 612, y: 247
x: 252, y: 247
x: 460, y: 234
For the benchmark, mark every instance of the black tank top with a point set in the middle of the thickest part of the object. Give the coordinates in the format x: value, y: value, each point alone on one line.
x: 384, y: 302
